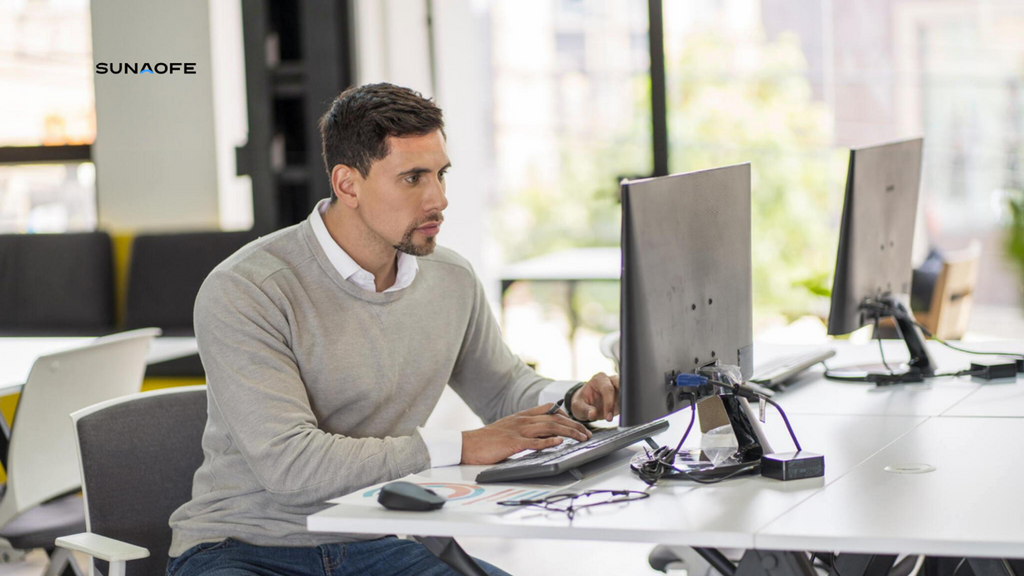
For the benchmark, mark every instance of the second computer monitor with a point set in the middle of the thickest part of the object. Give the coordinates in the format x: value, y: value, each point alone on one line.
x: 686, y: 284
x: 877, y: 231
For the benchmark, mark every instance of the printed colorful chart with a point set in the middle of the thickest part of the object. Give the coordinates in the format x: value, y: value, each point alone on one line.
x: 461, y: 496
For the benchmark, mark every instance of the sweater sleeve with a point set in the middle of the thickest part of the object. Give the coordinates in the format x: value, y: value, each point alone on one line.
x: 256, y: 386
x: 492, y: 380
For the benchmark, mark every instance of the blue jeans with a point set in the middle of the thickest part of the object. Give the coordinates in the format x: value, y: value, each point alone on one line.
x: 388, y: 556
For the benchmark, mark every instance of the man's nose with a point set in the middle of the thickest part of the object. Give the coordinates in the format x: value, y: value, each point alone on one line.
x: 436, y: 199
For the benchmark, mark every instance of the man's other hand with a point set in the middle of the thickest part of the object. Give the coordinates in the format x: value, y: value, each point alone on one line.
x: 597, y: 399
x: 531, y: 429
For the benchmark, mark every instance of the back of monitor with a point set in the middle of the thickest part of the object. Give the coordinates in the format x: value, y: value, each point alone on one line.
x: 686, y: 283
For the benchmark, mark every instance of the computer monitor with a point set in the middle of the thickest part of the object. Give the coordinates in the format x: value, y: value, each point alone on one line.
x: 873, y: 268
x: 686, y: 297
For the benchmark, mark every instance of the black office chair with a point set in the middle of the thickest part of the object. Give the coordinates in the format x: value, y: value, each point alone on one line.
x: 138, y: 455
x: 164, y: 276
x: 56, y: 284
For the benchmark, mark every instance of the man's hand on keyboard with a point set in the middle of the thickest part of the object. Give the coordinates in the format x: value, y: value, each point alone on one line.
x: 597, y: 399
x: 531, y: 429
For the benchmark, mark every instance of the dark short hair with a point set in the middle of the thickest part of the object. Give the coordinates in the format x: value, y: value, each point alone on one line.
x: 356, y: 128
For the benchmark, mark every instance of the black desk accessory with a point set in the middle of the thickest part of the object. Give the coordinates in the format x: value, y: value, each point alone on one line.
x: 410, y: 497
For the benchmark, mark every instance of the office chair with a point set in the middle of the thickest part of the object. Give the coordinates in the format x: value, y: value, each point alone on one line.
x: 138, y: 456
x: 39, y: 501
x: 56, y: 284
x: 164, y: 276
x: 609, y: 346
x: 949, y: 309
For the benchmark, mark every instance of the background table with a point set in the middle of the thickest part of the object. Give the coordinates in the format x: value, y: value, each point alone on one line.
x: 17, y: 355
x: 811, y: 393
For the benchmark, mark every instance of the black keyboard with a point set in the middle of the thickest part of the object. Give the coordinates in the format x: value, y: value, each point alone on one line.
x: 569, y: 454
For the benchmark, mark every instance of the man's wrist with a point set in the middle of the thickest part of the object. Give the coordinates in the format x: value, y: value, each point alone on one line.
x: 568, y: 401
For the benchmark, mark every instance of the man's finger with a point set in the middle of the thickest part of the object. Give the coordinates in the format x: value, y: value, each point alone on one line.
x: 583, y: 409
x: 549, y: 429
x: 542, y: 443
x: 542, y: 409
x: 607, y: 391
x: 566, y: 421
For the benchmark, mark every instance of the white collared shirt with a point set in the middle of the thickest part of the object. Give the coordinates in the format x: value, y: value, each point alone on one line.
x: 443, y: 446
x: 348, y: 268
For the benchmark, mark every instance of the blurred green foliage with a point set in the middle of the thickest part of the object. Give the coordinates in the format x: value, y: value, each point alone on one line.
x: 728, y: 103
x: 1015, y: 236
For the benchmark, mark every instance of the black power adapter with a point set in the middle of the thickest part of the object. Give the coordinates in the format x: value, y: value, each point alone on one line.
x: 793, y: 465
x: 993, y: 369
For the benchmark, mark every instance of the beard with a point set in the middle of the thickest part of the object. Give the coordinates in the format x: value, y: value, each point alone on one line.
x: 407, y: 245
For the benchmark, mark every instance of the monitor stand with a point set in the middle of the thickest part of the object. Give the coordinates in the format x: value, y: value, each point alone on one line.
x: 917, y: 369
x: 750, y: 438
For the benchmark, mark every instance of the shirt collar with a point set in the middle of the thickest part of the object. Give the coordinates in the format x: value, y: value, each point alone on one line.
x: 347, y: 267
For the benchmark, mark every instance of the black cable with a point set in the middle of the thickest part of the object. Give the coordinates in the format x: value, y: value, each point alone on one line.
x: 881, y: 350
x: 835, y: 564
x: 739, y: 470
x: 718, y: 560
x: 662, y: 460
x: 957, y: 569
x: 929, y: 334
x: 967, y: 372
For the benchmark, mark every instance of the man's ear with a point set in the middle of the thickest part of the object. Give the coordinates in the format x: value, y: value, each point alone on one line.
x: 343, y: 183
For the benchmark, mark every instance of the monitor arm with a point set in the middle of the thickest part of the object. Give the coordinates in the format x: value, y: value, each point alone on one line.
x: 920, y: 364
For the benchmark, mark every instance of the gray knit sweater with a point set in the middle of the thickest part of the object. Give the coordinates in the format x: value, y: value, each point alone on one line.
x: 316, y: 387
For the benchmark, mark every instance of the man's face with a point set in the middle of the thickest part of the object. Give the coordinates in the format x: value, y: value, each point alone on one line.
x: 402, y: 198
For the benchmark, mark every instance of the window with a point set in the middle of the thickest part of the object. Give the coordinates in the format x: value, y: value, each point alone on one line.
x: 572, y: 116
x: 48, y: 117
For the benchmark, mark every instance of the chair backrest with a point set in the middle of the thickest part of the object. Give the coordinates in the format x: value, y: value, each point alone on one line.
x: 609, y: 346
x: 950, y: 309
x: 166, y: 272
x: 138, y: 455
x: 41, y: 456
x: 56, y: 284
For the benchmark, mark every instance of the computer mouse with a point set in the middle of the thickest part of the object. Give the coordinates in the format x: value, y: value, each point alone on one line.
x: 410, y: 497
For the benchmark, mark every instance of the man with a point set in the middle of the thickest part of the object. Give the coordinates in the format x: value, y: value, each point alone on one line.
x: 326, y: 347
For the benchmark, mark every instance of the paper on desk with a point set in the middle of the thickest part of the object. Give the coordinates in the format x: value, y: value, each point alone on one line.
x: 462, y: 496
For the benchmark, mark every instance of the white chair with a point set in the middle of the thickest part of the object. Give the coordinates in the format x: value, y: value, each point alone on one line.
x: 40, y: 502
x: 610, y: 347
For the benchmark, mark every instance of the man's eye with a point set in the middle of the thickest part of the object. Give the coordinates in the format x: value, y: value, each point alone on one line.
x: 440, y: 175
x: 413, y: 179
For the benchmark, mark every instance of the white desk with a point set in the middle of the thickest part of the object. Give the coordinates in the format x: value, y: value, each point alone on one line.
x: 812, y: 394
x: 724, y: 515
x: 17, y: 355
x: 969, y: 506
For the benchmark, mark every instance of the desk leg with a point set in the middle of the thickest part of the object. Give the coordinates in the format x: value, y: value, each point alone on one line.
x: 449, y: 551
x: 776, y: 563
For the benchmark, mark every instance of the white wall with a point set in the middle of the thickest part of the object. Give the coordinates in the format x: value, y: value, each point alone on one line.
x: 463, y: 75
x: 392, y: 39
x: 156, y: 149
x: 231, y: 115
